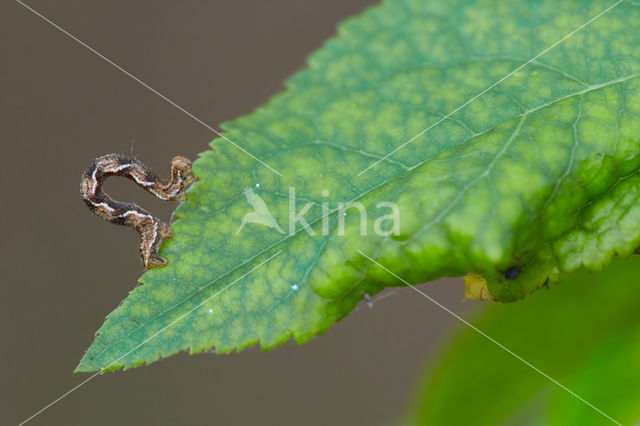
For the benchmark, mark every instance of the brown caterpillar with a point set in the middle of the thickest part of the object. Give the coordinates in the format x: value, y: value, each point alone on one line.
x: 151, y: 229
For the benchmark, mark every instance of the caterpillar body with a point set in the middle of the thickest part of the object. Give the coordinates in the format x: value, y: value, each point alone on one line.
x: 151, y: 229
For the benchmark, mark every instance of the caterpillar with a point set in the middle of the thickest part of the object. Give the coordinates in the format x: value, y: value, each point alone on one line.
x: 151, y: 229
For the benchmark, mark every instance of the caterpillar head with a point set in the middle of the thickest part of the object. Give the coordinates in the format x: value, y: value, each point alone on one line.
x: 181, y: 171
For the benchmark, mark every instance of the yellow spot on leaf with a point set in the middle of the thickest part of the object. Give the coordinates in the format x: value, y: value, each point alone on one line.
x: 475, y: 288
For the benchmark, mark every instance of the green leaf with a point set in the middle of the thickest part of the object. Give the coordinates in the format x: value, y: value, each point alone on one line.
x: 540, y: 171
x: 609, y: 376
x: 585, y: 334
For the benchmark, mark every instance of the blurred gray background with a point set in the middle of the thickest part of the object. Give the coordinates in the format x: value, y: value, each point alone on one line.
x: 64, y: 270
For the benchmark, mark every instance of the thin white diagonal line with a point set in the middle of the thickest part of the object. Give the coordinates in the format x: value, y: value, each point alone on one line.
x: 426, y: 129
x: 145, y: 85
x: 144, y: 341
x: 518, y: 357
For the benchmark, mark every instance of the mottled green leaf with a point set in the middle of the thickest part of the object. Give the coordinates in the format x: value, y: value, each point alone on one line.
x: 540, y: 171
x: 585, y: 334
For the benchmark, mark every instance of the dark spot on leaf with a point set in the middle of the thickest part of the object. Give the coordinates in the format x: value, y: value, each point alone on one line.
x: 512, y: 272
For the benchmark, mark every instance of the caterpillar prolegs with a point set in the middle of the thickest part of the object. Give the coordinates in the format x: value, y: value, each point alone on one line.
x: 151, y: 229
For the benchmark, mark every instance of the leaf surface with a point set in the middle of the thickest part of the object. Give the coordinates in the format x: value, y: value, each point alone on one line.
x: 540, y: 172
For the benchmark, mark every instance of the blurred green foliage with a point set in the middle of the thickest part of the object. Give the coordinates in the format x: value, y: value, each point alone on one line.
x: 585, y: 334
